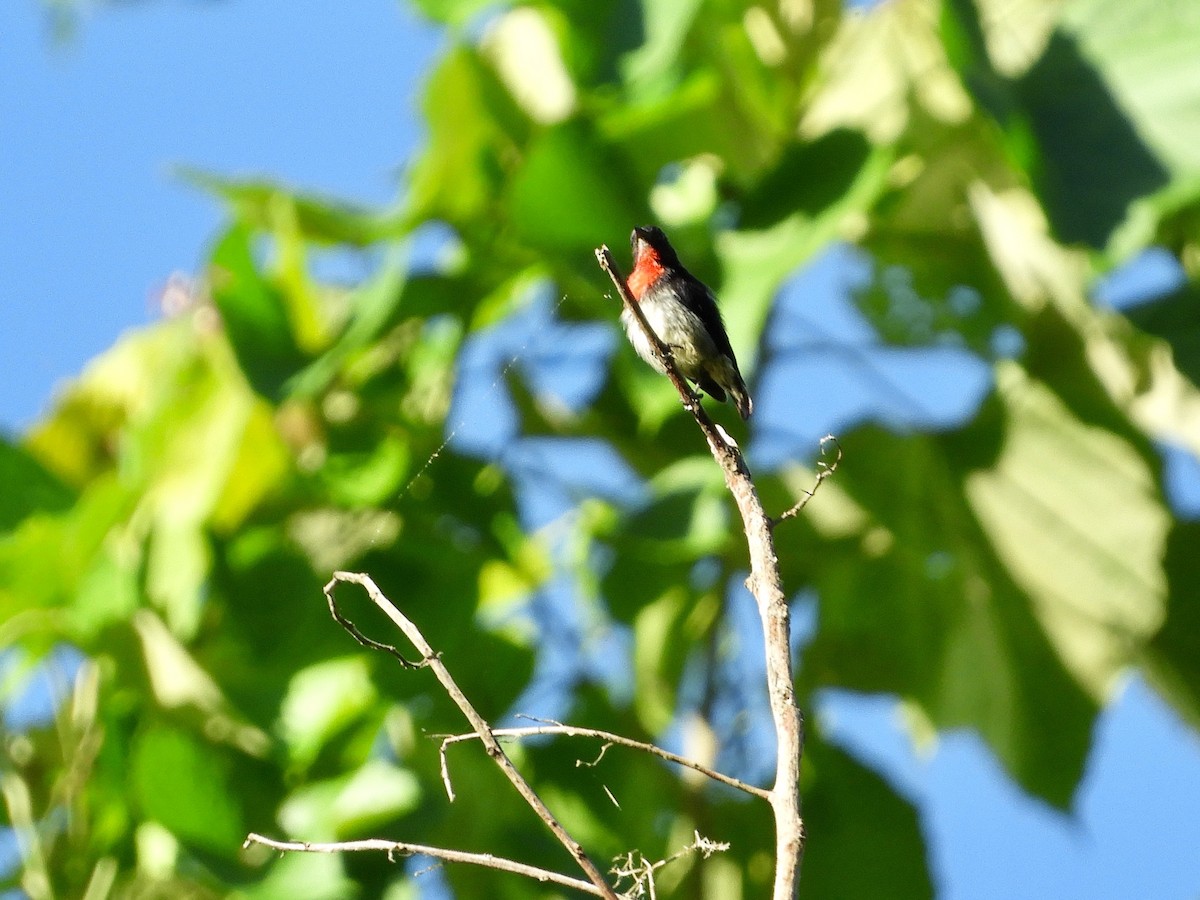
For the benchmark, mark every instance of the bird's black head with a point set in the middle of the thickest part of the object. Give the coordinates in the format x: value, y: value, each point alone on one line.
x: 652, y: 236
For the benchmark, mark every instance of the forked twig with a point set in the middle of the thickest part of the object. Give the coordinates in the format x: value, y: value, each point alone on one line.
x: 432, y: 660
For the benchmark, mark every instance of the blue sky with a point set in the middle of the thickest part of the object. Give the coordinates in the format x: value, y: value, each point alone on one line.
x: 323, y: 96
x: 92, y: 220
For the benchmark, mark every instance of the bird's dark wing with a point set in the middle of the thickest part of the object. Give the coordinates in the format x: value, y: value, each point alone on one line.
x: 695, y: 295
x: 711, y: 388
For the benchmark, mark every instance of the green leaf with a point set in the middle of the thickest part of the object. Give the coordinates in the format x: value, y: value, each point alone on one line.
x: 255, y: 317
x: 1174, y: 654
x: 256, y: 204
x: 56, y: 562
x: 1058, y: 111
x: 322, y: 700
x: 351, y: 806
x: 866, y: 840
x: 566, y: 171
x: 665, y: 27
x: 368, y: 476
x: 302, y: 876
x: 452, y: 12
x: 1085, y: 193
x: 1174, y: 319
x: 476, y: 132
x: 1145, y: 52
x: 108, y: 592
x: 184, y: 786
x: 695, y: 117
x: 917, y: 602
x: 373, y: 307
x: 788, y: 186
x: 689, y: 515
x: 25, y: 486
x: 667, y: 630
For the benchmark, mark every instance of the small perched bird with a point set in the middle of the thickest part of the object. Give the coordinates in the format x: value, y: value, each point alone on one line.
x: 683, y: 313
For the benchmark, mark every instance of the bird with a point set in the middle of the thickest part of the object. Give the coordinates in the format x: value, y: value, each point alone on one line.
x: 683, y: 312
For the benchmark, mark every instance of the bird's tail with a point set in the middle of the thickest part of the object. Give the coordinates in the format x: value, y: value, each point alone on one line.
x: 723, y: 376
x: 741, y: 397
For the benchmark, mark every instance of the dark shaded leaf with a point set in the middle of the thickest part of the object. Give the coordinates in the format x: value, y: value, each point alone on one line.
x: 28, y: 487
x: 808, y: 178
x: 1174, y: 654
x: 255, y: 316
x: 1176, y: 319
x: 864, y: 839
x: 184, y: 785
x: 562, y: 197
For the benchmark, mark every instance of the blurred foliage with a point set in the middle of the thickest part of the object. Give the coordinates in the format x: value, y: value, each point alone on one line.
x: 175, y: 515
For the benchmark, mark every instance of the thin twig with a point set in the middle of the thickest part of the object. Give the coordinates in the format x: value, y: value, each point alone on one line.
x: 634, y: 866
x: 825, y: 468
x: 370, y: 643
x: 573, y: 731
x: 455, y: 856
x: 766, y: 584
x: 595, y: 762
x: 482, y: 729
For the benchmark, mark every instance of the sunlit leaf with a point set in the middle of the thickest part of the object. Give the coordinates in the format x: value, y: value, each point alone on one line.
x: 351, y: 806
x: 322, y: 700
x: 303, y: 876
x: 452, y: 12
x: 475, y: 132
x: 1095, y: 570
x: 323, y: 220
x: 919, y: 600
x: 1085, y: 193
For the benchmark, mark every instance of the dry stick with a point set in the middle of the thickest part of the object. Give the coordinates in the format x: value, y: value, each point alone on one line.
x: 495, y: 751
x: 455, y: 856
x: 572, y: 731
x: 824, y: 470
x: 766, y: 585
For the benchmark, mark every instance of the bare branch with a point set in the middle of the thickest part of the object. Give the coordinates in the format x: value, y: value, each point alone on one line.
x: 482, y: 729
x: 825, y: 468
x: 610, y: 738
x: 766, y: 584
x: 391, y: 848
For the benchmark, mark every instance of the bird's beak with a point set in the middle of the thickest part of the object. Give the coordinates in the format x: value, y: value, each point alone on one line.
x: 639, y: 243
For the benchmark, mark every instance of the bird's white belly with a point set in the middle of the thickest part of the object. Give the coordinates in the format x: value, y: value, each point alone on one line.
x: 678, y: 328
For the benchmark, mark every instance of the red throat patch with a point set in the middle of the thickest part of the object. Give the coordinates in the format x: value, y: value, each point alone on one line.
x: 645, y: 272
